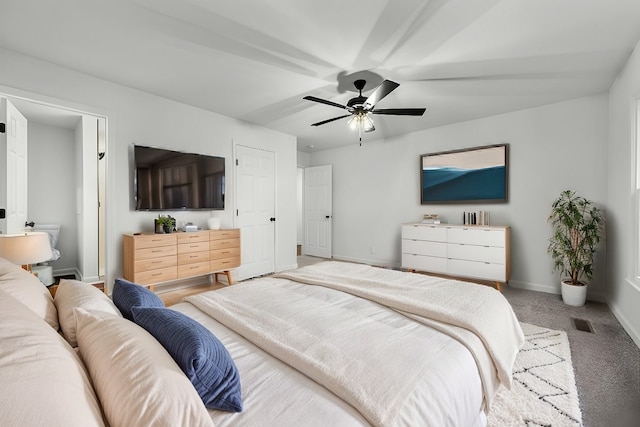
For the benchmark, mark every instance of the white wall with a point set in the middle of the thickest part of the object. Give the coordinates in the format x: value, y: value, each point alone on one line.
x: 624, y: 289
x: 138, y: 117
x: 51, y: 188
x: 552, y: 148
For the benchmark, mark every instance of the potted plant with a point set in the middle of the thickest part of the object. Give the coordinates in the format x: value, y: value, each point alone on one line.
x: 164, y: 223
x: 577, y: 230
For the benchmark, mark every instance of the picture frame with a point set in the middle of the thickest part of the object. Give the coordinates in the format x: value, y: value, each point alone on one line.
x: 469, y: 175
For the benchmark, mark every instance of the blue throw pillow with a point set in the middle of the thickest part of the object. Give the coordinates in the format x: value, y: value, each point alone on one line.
x: 127, y: 294
x: 198, y: 352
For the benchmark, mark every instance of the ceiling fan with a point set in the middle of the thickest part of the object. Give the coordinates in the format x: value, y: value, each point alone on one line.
x: 361, y: 107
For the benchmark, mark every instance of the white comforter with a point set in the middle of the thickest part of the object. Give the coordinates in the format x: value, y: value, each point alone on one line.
x: 392, y: 369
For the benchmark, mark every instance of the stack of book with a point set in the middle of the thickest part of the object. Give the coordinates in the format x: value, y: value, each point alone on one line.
x: 475, y: 218
x: 431, y: 219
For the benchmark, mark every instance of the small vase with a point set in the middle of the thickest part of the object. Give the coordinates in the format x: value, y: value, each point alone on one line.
x: 158, y: 227
x: 167, y: 229
x: 213, y: 223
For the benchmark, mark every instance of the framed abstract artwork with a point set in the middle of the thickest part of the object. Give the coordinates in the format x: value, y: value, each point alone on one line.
x: 470, y: 175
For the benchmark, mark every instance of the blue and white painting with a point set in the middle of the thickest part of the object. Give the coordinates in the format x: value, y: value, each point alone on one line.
x: 470, y: 175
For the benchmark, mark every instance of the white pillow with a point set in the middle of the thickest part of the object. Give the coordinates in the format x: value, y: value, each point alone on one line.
x: 43, y: 380
x: 26, y: 288
x: 136, y: 380
x: 74, y: 293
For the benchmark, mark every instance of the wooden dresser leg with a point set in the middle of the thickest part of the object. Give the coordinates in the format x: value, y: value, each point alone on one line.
x: 228, y: 273
x: 499, y: 286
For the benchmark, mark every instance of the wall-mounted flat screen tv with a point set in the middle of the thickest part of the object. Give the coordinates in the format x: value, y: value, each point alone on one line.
x: 472, y: 175
x: 172, y: 180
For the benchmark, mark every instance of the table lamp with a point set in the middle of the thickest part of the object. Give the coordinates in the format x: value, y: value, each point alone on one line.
x: 25, y: 248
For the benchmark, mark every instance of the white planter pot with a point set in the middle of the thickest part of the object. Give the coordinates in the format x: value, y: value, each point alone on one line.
x: 574, y: 295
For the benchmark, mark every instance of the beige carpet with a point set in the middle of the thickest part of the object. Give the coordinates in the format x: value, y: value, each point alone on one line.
x: 544, y: 389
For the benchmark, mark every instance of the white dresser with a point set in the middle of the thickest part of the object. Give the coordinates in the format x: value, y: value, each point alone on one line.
x: 471, y: 251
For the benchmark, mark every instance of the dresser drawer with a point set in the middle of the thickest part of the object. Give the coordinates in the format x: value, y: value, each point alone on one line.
x: 424, y: 232
x: 424, y: 263
x: 154, y: 240
x: 476, y: 236
x: 187, y: 248
x: 190, y: 237
x: 224, y: 243
x: 478, y: 270
x: 225, y: 263
x: 233, y: 233
x: 155, y: 252
x: 490, y: 254
x: 154, y: 263
x: 423, y: 247
x: 224, y: 253
x: 156, y: 276
x: 195, y: 269
x: 190, y: 258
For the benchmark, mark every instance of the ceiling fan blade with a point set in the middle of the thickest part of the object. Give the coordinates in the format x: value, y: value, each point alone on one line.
x: 330, y: 120
x: 324, y: 101
x: 400, y: 111
x: 385, y: 88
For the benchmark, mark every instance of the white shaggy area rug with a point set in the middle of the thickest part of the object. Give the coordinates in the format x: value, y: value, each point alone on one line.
x: 544, y: 388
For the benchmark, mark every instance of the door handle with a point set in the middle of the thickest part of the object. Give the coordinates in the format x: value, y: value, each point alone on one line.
x: 272, y: 219
x: 327, y: 216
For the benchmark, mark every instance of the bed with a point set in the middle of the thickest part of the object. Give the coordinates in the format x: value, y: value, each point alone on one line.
x: 330, y: 344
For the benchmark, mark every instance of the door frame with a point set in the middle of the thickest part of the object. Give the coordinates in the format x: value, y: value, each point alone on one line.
x: 104, y: 251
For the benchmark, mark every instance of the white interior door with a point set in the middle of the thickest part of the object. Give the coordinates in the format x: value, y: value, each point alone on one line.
x: 255, y: 210
x: 318, y: 211
x: 13, y: 168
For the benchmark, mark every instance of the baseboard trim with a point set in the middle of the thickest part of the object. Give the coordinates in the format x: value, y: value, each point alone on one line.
x: 534, y: 287
x: 633, y: 333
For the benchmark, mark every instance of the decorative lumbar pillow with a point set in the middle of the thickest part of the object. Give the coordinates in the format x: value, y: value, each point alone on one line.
x: 44, y: 382
x: 138, y: 383
x: 198, y: 352
x: 74, y: 293
x: 127, y: 294
x: 26, y: 288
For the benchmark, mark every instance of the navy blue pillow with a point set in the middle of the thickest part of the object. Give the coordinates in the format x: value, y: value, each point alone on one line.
x: 127, y: 294
x: 198, y: 352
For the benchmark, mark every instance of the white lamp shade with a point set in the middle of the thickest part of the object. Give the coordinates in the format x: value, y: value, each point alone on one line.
x: 25, y: 248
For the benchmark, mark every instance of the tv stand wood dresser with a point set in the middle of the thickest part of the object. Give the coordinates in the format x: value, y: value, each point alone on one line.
x: 150, y: 259
x: 478, y: 252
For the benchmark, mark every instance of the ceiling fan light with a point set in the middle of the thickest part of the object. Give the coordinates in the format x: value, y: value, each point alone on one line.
x: 367, y: 124
x: 353, y: 122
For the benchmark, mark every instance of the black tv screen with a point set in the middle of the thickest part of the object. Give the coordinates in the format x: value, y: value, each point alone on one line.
x: 172, y: 180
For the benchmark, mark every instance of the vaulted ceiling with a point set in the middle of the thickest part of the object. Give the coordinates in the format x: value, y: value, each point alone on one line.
x: 256, y: 59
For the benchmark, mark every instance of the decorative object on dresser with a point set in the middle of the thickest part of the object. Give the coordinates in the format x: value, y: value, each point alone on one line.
x: 150, y: 259
x: 577, y: 230
x: 474, y: 252
x: 471, y: 175
x: 164, y: 224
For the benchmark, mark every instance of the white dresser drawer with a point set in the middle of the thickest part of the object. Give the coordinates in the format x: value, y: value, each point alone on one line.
x: 478, y: 270
x: 423, y: 247
x: 424, y: 232
x: 490, y: 254
x: 476, y: 236
x: 424, y: 263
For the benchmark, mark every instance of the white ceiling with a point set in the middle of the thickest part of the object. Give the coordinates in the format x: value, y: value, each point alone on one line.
x: 256, y: 59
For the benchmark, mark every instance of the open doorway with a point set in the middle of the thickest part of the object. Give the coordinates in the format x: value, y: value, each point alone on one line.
x: 66, y: 178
